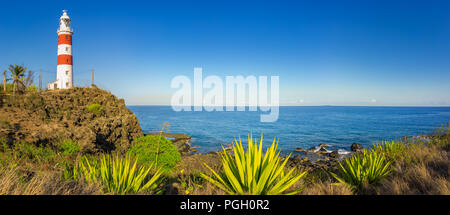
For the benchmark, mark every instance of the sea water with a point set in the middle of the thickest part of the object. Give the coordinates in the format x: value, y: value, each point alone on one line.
x: 297, y: 127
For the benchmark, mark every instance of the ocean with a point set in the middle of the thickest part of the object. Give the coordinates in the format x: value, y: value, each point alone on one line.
x: 297, y: 127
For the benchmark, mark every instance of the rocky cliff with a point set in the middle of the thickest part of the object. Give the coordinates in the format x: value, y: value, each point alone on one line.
x: 94, y: 118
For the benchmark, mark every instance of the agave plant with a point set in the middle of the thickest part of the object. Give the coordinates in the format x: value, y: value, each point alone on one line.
x: 367, y: 167
x: 251, y: 172
x: 119, y: 175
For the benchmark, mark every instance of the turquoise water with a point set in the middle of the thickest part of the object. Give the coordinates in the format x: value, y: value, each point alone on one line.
x: 297, y: 126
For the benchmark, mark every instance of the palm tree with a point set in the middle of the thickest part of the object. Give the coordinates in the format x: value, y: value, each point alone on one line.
x: 17, y: 76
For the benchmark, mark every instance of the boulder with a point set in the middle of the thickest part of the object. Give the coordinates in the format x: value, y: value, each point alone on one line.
x: 322, y: 151
x: 311, y: 150
x: 334, y: 154
x: 356, y: 147
x: 299, y: 150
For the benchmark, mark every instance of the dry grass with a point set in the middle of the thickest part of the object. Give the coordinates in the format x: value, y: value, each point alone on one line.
x: 326, y: 188
x: 207, y: 189
x: 320, y: 182
x: 186, y: 180
x: 42, y: 183
x: 423, y: 171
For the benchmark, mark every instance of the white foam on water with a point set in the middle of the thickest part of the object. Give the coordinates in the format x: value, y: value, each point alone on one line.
x: 343, y: 152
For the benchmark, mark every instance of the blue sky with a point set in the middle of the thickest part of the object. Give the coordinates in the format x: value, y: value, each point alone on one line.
x: 325, y: 52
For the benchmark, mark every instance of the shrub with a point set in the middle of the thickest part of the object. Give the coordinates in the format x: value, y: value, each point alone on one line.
x: 119, y: 175
x: 155, y: 149
x: 251, y: 172
x: 364, y: 168
x: 94, y: 108
x: 69, y: 148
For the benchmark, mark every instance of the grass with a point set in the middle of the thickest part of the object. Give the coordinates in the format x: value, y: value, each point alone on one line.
x: 251, y: 172
x: 424, y: 171
x: 28, y: 152
x: 327, y: 187
x: 15, y: 181
x: 69, y: 148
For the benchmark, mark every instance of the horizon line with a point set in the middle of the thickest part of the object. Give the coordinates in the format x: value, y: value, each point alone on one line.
x: 307, y: 105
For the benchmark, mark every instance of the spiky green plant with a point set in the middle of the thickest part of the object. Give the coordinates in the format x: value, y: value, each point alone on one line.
x: 119, y: 175
x: 369, y: 167
x: 251, y: 172
x: 391, y: 149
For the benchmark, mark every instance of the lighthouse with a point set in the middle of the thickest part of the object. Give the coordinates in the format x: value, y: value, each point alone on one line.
x: 64, y: 68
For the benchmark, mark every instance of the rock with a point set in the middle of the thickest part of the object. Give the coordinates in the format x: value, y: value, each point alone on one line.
x: 356, y: 147
x: 312, y: 149
x: 299, y: 150
x: 294, y: 161
x: 324, y: 145
x: 322, y: 151
x: 183, y: 148
x: 51, y: 116
x: 334, y: 154
x: 181, y: 142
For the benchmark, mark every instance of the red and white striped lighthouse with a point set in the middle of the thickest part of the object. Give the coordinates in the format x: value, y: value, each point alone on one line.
x: 64, y: 71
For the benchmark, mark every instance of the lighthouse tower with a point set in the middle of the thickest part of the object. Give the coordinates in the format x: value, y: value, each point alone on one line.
x: 64, y: 71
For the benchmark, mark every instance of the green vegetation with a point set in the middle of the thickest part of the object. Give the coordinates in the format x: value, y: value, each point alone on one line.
x: 21, y: 80
x: 119, y: 175
x: 17, y: 76
x: 32, y: 88
x: 391, y: 149
x: 151, y: 149
x: 368, y: 167
x: 69, y: 148
x: 251, y: 172
x: 441, y: 137
x: 94, y: 108
x: 27, y: 151
x: 39, y: 153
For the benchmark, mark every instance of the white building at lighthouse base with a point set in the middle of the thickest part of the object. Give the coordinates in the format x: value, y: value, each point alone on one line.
x: 63, y: 78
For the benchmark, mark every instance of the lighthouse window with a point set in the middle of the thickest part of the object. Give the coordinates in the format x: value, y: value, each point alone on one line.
x: 67, y: 48
x: 67, y: 72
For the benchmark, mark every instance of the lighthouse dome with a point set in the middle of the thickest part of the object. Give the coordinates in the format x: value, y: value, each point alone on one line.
x: 64, y: 24
x: 64, y: 16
